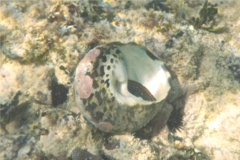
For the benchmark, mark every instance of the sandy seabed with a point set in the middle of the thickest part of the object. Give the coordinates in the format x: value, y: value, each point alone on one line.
x: 41, y: 43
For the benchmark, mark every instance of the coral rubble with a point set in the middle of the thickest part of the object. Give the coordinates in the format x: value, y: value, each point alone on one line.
x: 41, y: 43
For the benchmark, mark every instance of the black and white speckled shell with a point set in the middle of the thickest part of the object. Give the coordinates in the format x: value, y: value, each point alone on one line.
x: 100, y: 89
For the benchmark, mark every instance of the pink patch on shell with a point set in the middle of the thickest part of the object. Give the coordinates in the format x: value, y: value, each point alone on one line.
x: 85, y: 89
x: 91, y: 55
x: 83, y: 82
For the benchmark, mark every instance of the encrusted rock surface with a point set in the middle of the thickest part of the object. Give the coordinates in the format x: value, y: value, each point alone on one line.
x: 41, y: 43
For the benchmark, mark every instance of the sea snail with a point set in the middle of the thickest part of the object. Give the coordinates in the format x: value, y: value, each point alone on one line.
x: 120, y: 87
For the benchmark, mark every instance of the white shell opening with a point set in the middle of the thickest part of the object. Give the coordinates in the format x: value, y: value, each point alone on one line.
x: 142, y: 67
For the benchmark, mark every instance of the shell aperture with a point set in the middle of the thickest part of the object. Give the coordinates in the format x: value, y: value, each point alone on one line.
x: 120, y: 87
